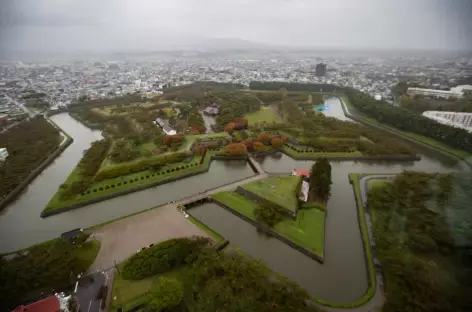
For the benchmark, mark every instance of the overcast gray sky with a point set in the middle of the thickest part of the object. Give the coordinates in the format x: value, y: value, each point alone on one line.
x: 153, y: 24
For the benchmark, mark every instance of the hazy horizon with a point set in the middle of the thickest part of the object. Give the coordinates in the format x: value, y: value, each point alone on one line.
x: 145, y: 25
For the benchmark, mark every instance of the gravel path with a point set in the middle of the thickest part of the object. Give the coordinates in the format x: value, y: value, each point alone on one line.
x: 121, y: 239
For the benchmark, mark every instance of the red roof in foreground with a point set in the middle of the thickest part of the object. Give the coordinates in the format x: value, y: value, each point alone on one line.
x: 48, y: 304
x: 302, y: 172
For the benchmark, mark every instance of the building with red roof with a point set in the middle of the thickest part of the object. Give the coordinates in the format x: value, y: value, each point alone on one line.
x: 56, y: 303
x: 48, y: 304
x: 301, y: 172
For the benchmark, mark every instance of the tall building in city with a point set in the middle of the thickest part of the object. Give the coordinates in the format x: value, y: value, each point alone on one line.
x: 320, y: 69
x: 3, y: 154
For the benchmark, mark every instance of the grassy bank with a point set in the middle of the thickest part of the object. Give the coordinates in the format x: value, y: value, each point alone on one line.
x: 311, y: 154
x: 216, y: 237
x: 408, y: 135
x: 129, y: 182
x: 306, y: 231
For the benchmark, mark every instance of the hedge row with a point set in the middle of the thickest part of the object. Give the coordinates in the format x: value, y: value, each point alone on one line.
x: 335, y: 149
x: 148, y: 176
x: 146, y: 164
x: 163, y: 257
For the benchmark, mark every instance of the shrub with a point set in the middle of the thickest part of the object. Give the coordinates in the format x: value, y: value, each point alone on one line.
x: 235, y: 149
x: 100, y: 189
x: 142, y: 178
x: 113, y: 185
x: 125, y: 182
x: 119, y: 184
x: 163, y: 257
x: 94, y: 190
x: 167, y: 294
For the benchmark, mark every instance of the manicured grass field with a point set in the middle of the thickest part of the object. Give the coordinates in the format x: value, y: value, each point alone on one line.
x: 306, y: 231
x: 264, y: 114
x: 283, y: 191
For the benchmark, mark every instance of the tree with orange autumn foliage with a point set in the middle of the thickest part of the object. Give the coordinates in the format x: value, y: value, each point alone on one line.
x: 249, y: 143
x: 229, y: 127
x: 240, y: 123
x: 276, y: 142
x: 258, y: 147
x: 265, y: 138
x: 236, y: 149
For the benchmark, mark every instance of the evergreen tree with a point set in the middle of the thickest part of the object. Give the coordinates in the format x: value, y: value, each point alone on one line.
x: 320, y: 180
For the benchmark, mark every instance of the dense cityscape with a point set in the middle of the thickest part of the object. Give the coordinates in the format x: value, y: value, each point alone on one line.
x: 65, y: 82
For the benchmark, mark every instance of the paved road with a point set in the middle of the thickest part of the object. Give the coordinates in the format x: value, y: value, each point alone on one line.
x: 88, y: 289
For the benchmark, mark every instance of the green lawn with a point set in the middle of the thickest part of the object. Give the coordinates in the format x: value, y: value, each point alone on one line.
x: 123, y: 183
x: 264, y: 114
x: 306, y: 231
x: 283, y: 191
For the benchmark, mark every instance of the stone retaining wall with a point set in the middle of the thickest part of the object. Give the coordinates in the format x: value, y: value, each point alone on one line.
x: 272, y: 233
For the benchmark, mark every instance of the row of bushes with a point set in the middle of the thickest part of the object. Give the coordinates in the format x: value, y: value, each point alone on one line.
x: 145, y: 164
x: 163, y: 257
x: 148, y: 176
x: 339, y: 149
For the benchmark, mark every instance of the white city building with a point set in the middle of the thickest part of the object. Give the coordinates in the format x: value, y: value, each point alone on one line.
x: 456, y: 92
x: 454, y: 119
x: 3, y: 154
